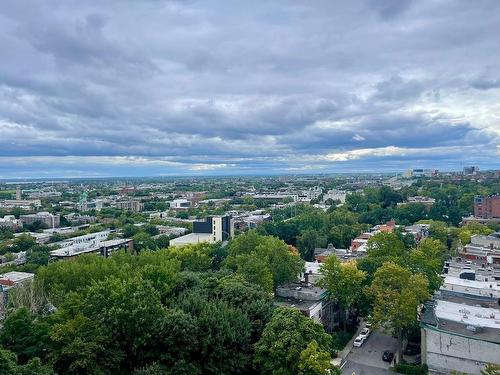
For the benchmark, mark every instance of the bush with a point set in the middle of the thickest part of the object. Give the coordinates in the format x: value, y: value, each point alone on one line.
x: 401, y: 368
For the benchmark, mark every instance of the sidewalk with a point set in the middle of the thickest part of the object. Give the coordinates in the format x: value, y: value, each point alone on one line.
x: 342, y: 354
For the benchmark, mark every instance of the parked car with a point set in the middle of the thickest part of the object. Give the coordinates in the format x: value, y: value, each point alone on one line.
x: 412, y: 349
x: 388, y: 356
x: 358, y: 341
x: 365, y: 332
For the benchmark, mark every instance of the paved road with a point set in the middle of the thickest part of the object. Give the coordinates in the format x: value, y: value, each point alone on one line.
x: 367, y: 360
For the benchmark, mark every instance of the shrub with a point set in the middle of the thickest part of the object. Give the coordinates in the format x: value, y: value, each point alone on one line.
x: 401, y: 368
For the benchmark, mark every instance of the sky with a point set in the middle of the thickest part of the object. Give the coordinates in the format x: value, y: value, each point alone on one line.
x: 166, y: 88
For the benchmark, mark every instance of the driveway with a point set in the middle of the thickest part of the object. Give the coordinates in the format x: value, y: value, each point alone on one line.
x: 367, y: 360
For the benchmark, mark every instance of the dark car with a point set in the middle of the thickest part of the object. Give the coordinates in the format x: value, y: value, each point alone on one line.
x: 388, y: 356
x: 412, y: 349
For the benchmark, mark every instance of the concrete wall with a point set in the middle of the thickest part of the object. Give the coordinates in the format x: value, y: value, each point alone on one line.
x: 444, y: 352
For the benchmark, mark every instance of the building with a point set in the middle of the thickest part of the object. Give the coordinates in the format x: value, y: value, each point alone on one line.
x: 426, y: 201
x: 420, y: 172
x: 103, y: 248
x: 311, y: 301
x: 487, y: 207
x: 419, y: 231
x: 46, y: 218
x: 471, y: 171
x: 8, y: 281
x: 10, y: 221
x: 26, y: 204
x: 87, y: 206
x: 171, y: 231
x: 212, y: 229
x: 335, y: 195
x: 460, y: 334
x: 76, y: 219
x: 461, y: 326
x: 135, y: 206
x: 93, y: 243
x: 485, y: 249
x: 343, y: 255
x: 314, y: 192
x: 180, y: 204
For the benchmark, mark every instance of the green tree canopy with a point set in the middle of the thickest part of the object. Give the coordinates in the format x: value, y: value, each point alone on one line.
x: 285, y: 337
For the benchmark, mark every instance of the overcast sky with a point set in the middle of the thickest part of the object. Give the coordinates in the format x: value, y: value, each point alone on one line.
x: 128, y: 88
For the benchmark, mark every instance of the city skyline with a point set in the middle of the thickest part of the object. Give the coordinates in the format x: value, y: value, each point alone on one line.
x: 178, y: 88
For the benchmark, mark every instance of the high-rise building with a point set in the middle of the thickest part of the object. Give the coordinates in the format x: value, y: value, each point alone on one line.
x: 487, y: 207
x: 471, y: 171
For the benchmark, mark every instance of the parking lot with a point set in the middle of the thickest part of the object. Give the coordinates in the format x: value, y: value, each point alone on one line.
x: 367, y: 359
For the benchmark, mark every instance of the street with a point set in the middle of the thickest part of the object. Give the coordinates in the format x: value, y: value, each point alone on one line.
x: 367, y: 359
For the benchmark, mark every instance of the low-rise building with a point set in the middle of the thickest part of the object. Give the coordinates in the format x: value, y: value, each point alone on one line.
x: 461, y: 326
x: 418, y: 199
x: 104, y: 248
x: 8, y: 281
x: 180, y: 204
x: 482, y: 248
x: 77, y: 219
x: 335, y: 195
x: 460, y: 334
x: 311, y: 301
x: 213, y: 229
x: 26, y: 204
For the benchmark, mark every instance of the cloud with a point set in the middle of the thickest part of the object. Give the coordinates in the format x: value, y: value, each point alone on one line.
x: 178, y: 87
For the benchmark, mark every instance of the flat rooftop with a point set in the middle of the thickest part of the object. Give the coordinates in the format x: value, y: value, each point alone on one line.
x: 16, y: 277
x: 192, y: 238
x: 469, y: 317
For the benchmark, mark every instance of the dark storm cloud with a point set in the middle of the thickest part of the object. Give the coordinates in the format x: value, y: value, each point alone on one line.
x: 163, y: 87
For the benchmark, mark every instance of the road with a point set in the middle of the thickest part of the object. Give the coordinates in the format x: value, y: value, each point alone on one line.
x: 367, y: 360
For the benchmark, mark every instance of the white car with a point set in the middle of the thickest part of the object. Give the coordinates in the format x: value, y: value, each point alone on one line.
x: 358, y: 341
x: 365, y: 332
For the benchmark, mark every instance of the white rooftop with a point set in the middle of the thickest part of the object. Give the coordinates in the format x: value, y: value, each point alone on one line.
x: 313, y: 266
x: 16, y: 276
x: 192, y: 238
x: 470, y: 315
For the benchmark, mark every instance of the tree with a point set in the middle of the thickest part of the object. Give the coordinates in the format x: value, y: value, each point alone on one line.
x: 343, y: 282
x: 309, y: 240
x: 8, y: 364
x: 270, y: 256
x: 132, y: 311
x: 283, y: 340
x: 255, y: 269
x: 386, y: 245
x: 397, y: 295
x: 25, y: 335
x: 23, y: 243
x: 35, y: 367
x: 427, y: 259
x: 314, y: 361
x: 84, y: 346
x: 143, y: 241
x: 467, y: 231
x: 38, y: 254
x: 491, y: 369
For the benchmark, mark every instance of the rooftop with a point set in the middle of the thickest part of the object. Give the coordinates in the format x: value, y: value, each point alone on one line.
x: 464, y: 316
x: 16, y: 277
